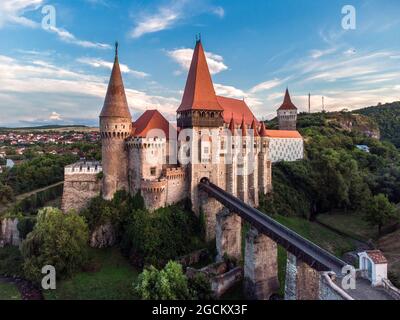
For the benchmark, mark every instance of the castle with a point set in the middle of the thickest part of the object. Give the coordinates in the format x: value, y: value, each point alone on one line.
x: 215, y: 137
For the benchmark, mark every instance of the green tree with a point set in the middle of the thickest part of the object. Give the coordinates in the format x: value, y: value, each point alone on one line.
x: 57, y: 239
x: 169, y: 283
x: 380, y: 211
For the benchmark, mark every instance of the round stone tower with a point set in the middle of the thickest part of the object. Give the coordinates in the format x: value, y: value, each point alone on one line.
x: 115, y: 127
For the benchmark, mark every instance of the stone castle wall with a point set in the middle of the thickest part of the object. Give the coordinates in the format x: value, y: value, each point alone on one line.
x: 9, y: 234
x: 79, y: 189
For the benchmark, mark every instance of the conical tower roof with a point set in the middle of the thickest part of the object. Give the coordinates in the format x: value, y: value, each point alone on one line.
x: 287, y: 102
x: 199, y: 90
x: 243, y: 127
x: 115, y: 103
x: 254, y: 128
x: 263, y: 130
x: 232, y: 126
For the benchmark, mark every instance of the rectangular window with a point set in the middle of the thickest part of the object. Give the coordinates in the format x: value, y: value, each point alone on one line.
x: 153, y: 171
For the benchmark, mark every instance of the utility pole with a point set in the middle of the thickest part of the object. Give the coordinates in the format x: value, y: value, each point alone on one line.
x: 309, y: 103
x: 323, y: 103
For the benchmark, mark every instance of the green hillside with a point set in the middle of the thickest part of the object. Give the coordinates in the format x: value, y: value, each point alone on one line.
x: 388, y: 118
x: 335, y: 174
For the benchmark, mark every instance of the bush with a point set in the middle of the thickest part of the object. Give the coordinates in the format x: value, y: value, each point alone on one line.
x: 200, y: 287
x: 25, y: 226
x: 167, y: 284
x: 11, y: 262
x: 57, y: 239
x: 154, y: 238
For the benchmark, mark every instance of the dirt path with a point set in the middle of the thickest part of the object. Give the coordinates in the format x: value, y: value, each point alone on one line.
x: 27, y: 195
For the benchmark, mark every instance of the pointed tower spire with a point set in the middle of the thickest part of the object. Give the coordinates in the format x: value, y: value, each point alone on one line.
x: 199, y: 91
x: 232, y: 126
x: 243, y: 127
x: 115, y: 104
x: 254, y: 128
x: 287, y: 102
x: 263, y: 130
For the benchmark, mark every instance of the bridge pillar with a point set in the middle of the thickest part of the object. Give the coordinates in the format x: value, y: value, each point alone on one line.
x: 302, y: 281
x: 228, y: 238
x: 307, y: 282
x: 210, y: 208
x: 260, y: 266
x: 291, y: 277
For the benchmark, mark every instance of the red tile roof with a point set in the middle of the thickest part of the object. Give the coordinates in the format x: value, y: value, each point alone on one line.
x: 151, y: 119
x: 283, y: 134
x: 199, y: 90
x: 287, y: 102
x: 237, y: 108
x: 376, y: 256
x: 115, y: 104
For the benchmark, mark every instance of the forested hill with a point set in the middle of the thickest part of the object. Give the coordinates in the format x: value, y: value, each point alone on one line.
x: 388, y: 118
x: 335, y: 174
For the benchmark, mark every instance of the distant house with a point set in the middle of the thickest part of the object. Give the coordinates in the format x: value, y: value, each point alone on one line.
x: 363, y: 147
x: 374, y: 265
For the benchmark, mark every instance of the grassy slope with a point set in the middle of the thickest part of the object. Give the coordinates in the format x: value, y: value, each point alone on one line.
x: 112, y: 281
x: 9, y: 291
x: 351, y: 223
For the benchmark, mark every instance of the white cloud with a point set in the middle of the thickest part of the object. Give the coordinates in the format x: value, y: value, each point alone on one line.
x: 68, y: 37
x: 315, y: 54
x: 350, y: 52
x: 184, y: 58
x: 32, y: 87
x: 219, y: 11
x: 99, y: 63
x: 169, y: 15
x: 55, y: 116
x: 12, y: 11
x: 163, y: 19
x: 267, y: 85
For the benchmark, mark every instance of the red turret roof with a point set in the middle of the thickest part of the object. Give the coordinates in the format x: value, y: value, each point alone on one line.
x: 115, y: 104
x: 199, y: 91
x: 243, y: 127
x: 254, y: 128
x: 232, y: 126
x: 151, y: 119
x: 263, y: 131
x: 287, y: 102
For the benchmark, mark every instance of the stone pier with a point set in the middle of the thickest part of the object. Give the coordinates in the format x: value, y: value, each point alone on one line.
x: 228, y: 238
x: 210, y: 208
x: 260, y: 266
x: 302, y: 281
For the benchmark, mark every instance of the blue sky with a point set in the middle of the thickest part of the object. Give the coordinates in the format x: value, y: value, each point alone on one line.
x: 255, y: 49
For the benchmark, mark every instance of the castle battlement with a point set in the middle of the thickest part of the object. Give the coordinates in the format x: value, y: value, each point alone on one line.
x: 154, y: 186
x: 144, y: 143
x: 174, y: 173
x: 83, y: 167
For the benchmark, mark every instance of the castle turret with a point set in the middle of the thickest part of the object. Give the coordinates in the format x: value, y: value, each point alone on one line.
x: 287, y: 114
x: 264, y: 162
x: 115, y: 127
